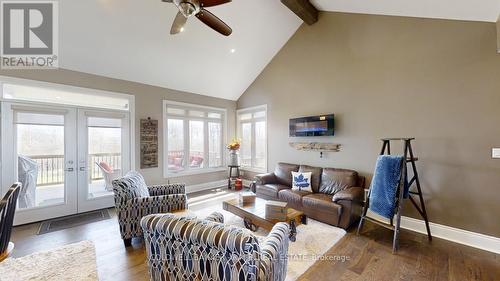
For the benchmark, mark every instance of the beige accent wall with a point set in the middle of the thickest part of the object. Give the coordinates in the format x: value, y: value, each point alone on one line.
x: 436, y: 80
x: 498, y: 35
x: 148, y: 103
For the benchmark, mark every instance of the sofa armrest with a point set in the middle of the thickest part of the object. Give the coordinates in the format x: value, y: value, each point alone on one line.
x: 166, y: 189
x: 350, y: 194
x: 274, y: 254
x: 268, y: 178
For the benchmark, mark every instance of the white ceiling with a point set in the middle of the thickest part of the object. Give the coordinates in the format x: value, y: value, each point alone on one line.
x: 130, y: 40
x: 471, y: 10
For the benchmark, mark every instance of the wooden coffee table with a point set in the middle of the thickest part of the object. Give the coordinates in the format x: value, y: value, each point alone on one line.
x: 254, y: 216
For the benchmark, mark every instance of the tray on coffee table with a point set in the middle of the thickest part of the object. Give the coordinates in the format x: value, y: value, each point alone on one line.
x: 254, y: 215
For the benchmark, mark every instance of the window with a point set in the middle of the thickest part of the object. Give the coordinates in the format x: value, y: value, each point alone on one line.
x: 193, y: 139
x: 252, y: 130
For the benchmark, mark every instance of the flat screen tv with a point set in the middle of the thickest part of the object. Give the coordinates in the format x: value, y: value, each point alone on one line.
x: 313, y: 126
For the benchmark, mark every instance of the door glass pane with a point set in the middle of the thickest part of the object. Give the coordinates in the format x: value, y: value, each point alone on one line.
x: 196, y: 144
x: 40, y: 161
x: 105, y: 155
x: 214, y: 144
x: 260, y: 144
x: 175, y: 144
x: 246, y: 144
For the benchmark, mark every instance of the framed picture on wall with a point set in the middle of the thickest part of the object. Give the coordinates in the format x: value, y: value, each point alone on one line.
x: 149, y: 143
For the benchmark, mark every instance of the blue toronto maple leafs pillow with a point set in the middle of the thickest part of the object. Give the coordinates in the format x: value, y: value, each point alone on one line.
x: 301, y: 181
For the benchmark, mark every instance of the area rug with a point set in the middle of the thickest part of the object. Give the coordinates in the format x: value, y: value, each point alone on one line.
x: 71, y: 262
x: 313, y: 240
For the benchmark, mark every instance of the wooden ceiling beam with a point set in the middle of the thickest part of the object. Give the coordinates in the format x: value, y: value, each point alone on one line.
x: 303, y: 9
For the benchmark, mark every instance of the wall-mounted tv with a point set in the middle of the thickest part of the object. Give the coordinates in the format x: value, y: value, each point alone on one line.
x: 313, y: 126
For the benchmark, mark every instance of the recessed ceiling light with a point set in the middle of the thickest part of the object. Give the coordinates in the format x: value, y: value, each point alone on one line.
x: 233, y: 51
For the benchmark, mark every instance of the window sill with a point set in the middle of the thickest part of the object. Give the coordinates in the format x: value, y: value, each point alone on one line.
x: 194, y: 172
x: 254, y: 170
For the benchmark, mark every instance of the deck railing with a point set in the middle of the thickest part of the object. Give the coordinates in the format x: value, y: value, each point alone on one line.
x: 51, y: 167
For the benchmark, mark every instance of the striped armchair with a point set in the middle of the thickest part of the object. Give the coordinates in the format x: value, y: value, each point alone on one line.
x: 186, y: 248
x: 134, y: 200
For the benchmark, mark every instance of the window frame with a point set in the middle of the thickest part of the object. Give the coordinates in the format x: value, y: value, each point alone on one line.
x: 186, y: 118
x: 253, y: 120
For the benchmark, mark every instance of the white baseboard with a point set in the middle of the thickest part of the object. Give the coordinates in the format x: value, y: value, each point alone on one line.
x: 205, y: 186
x: 465, y: 237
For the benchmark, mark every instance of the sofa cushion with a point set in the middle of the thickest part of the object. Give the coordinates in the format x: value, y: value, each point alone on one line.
x: 320, y: 206
x: 315, y: 175
x: 334, y: 180
x: 293, y: 197
x: 270, y: 191
x: 283, y: 173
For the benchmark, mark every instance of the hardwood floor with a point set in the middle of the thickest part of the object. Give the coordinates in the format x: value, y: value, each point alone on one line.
x: 367, y: 257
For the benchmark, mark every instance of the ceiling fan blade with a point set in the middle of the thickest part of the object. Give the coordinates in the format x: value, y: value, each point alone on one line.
x: 214, y: 22
x: 211, y: 3
x: 178, y: 24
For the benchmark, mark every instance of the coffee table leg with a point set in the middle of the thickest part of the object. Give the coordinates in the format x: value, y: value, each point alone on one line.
x: 250, y: 225
x: 293, y: 231
x: 303, y: 219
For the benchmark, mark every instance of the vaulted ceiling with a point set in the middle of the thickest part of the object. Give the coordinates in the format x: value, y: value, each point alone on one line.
x: 130, y: 40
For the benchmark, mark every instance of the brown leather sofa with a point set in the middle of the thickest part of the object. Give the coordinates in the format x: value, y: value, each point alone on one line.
x: 336, y: 198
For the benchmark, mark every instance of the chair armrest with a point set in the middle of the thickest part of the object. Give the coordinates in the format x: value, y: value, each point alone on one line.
x: 215, y: 217
x: 274, y: 254
x: 268, y: 178
x: 350, y: 194
x: 166, y: 189
x: 157, y: 204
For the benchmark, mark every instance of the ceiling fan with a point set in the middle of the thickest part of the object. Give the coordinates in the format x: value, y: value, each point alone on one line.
x: 188, y: 8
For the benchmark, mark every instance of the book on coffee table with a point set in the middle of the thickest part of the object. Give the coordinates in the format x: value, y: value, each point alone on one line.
x: 247, y: 197
x: 276, y: 210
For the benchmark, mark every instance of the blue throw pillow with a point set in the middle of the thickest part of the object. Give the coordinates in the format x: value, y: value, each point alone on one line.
x: 301, y: 181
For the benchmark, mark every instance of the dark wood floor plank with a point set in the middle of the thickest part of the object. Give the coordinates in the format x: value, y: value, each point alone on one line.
x: 368, y: 256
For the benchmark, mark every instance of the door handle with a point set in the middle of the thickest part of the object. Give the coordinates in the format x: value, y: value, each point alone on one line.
x: 69, y: 170
x: 83, y: 169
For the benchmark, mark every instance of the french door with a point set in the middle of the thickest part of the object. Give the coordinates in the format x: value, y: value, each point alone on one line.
x: 65, y: 158
x: 103, y: 155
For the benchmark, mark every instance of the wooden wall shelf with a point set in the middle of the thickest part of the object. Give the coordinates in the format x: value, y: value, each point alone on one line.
x: 315, y: 146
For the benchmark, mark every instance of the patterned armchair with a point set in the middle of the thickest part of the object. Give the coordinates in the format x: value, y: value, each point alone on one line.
x: 184, y: 248
x: 134, y: 200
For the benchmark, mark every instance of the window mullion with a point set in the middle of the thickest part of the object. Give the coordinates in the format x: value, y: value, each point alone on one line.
x: 205, y: 145
x: 187, y: 148
x: 253, y: 144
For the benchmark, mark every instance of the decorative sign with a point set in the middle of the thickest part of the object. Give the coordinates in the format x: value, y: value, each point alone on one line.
x: 149, y: 143
x: 316, y: 146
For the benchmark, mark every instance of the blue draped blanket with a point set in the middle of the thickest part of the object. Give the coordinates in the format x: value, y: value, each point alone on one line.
x: 385, y: 184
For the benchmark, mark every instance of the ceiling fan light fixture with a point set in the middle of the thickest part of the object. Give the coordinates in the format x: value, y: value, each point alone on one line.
x: 187, y: 9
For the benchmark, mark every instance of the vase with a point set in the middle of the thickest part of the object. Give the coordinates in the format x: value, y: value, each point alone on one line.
x: 234, y: 158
